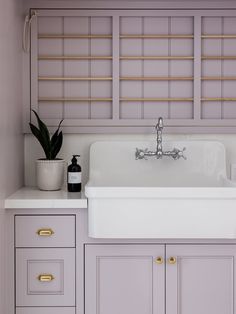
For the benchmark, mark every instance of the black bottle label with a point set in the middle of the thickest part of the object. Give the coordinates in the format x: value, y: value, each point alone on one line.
x: 74, y: 177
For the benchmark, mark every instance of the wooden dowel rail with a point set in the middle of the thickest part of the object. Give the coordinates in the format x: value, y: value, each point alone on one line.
x: 218, y: 99
x: 219, y: 78
x: 155, y: 99
x: 156, y: 78
x: 46, y: 57
x: 218, y: 36
x: 73, y: 36
x: 76, y: 99
x: 47, y: 78
x: 138, y: 78
x: 156, y: 58
x: 218, y: 57
x: 108, y: 36
x: 156, y: 36
x: 135, y: 36
x: 129, y: 99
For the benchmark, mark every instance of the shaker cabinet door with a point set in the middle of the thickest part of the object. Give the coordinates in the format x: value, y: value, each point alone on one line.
x: 200, y: 279
x: 124, y: 279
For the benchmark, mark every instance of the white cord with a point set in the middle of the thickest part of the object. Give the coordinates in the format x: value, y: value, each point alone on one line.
x: 26, y: 31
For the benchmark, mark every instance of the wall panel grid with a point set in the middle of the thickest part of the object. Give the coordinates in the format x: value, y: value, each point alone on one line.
x: 123, y: 68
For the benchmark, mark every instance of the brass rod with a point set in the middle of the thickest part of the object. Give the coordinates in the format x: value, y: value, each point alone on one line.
x: 55, y: 99
x: 74, y: 57
x: 150, y: 36
x: 155, y: 99
x: 72, y: 36
x: 47, y: 78
x: 204, y: 36
x: 218, y: 57
x: 219, y: 78
x: 218, y: 99
x: 156, y: 78
x: 156, y: 58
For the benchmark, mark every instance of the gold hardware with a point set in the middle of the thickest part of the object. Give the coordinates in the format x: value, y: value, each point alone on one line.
x: 156, y: 78
x: 46, y: 57
x: 156, y: 58
x: 159, y: 260
x: 47, y: 232
x: 150, y: 36
x: 51, y: 78
x: 172, y: 260
x: 72, y: 36
x: 73, y: 99
x: 155, y: 99
x: 45, y: 277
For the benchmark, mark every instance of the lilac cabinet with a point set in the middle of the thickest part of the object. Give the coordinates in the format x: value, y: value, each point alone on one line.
x: 143, y: 279
x: 45, y: 264
x: 202, y: 279
x: 124, y: 279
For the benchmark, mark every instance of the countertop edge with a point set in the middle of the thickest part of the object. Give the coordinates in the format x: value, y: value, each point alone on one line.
x: 30, y: 198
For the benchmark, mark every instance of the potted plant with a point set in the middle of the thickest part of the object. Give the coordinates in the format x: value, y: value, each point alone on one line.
x: 49, y: 170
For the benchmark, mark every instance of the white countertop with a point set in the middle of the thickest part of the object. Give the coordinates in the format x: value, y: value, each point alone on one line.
x: 28, y: 197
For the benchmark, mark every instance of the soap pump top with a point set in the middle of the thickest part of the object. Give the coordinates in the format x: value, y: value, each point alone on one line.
x: 74, y: 167
x: 74, y: 159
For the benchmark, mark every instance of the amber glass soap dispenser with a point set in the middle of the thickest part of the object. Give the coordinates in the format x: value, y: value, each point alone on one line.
x: 74, y: 176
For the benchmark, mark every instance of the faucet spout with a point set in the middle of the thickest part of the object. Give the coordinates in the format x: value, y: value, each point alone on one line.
x: 159, y: 125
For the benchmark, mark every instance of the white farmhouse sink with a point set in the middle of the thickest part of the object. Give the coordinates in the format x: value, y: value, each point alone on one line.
x: 163, y: 198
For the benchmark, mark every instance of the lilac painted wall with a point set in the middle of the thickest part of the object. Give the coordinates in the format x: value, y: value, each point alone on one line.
x: 11, y: 139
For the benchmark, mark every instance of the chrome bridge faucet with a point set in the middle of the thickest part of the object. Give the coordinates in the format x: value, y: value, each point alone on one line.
x: 159, y: 153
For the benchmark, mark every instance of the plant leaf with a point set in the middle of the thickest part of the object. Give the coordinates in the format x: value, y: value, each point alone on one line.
x: 36, y: 132
x: 55, y: 135
x: 57, y: 145
x: 45, y: 133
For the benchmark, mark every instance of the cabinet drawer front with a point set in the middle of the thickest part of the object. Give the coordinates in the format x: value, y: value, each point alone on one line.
x: 45, y: 310
x: 45, y: 277
x: 45, y: 231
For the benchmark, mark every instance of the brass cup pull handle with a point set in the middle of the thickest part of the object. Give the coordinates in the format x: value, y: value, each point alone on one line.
x: 159, y: 260
x: 172, y: 260
x: 45, y: 277
x: 45, y: 232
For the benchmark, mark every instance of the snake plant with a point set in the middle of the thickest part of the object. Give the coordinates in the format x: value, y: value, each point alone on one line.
x: 51, y: 145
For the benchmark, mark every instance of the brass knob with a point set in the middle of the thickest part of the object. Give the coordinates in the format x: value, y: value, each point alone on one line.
x: 45, y: 277
x: 159, y: 260
x: 172, y: 260
x: 45, y: 232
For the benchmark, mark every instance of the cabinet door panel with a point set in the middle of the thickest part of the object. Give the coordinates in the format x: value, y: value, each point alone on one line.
x: 124, y: 279
x: 201, y: 280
